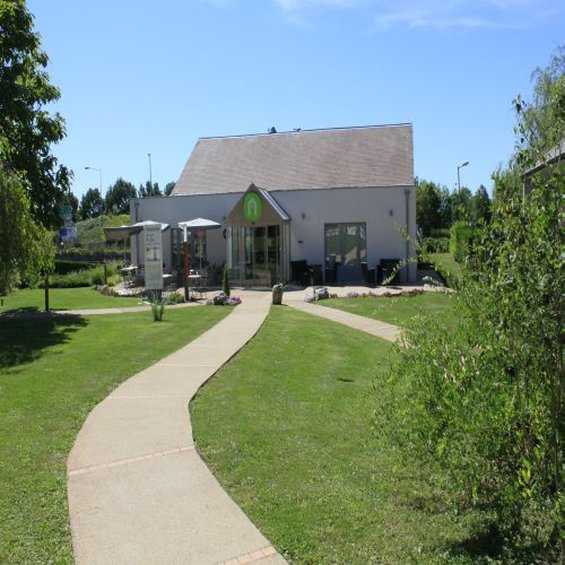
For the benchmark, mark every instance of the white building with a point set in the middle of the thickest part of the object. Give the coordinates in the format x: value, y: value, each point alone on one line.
x: 342, y: 200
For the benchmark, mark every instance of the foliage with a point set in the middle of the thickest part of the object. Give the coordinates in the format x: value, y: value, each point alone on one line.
x: 484, y: 399
x: 428, y: 205
x: 63, y: 267
x: 27, y: 248
x: 226, y: 281
x: 91, y: 231
x: 149, y: 190
x: 91, y: 204
x: 85, y: 277
x: 434, y: 245
x: 460, y: 203
x: 73, y: 202
x: 27, y: 129
x: 460, y: 240
x: 118, y: 196
x: 481, y: 206
x: 169, y: 187
x: 449, y: 270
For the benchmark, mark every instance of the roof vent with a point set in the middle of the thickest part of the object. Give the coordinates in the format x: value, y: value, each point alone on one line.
x: 272, y: 130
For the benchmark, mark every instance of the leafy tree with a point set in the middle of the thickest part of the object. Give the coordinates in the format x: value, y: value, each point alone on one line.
x: 118, y: 197
x: 149, y: 190
x: 27, y: 129
x: 481, y: 206
x: 169, y: 187
x: 73, y: 202
x: 91, y: 204
x: 27, y: 248
x: 460, y: 203
x: 428, y: 206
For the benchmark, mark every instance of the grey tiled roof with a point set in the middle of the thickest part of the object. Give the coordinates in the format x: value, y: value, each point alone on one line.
x: 309, y: 159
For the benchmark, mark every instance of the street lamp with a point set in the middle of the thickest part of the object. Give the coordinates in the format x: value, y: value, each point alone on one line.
x: 150, y: 173
x: 459, y: 167
x: 88, y: 168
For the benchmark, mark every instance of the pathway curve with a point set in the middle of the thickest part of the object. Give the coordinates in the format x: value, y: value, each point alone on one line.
x: 368, y: 325
x: 138, y: 490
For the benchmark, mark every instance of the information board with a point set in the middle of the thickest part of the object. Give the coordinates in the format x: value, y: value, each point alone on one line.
x: 153, y: 257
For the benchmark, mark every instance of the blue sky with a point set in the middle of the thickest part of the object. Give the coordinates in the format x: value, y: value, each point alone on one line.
x: 141, y: 76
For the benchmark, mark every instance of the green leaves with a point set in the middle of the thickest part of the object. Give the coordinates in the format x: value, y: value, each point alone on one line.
x: 28, y: 130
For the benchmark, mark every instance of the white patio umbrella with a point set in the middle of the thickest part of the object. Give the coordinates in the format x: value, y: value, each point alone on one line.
x: 188, y: 227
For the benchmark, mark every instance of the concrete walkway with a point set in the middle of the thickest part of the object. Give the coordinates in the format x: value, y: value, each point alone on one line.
x: 368, y: 325
x: 138, y: 490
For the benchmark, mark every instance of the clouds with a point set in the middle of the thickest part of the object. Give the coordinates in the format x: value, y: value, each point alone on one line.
x: 435, y: 14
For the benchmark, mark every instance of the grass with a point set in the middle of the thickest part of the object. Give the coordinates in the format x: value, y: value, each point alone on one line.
x: 398, y: 311
x: 64, y: 299
x: 287, y: 428
x: 447, y: 267
x: 53, y: 371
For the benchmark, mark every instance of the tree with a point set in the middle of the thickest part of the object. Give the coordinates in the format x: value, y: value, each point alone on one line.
x: 481, y: 206
x: 428, y: 206
x: 27, y: 248
x: 73, y: 202
x: 27, y: 129
x: 118, y: 197
x: 169, y: 187
x: 91, y: 204
x: 149, y: 190
x: 461, y: 205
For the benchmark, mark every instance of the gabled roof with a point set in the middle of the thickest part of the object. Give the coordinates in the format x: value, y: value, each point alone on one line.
x: 368, y: 156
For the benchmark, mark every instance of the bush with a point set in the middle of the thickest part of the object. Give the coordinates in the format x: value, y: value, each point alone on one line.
x: 226, y: 281
x: 63, y: 267
x: 461, y: 235
x: 484, y: 400
x: 434, y: 245
x: 85, y: 277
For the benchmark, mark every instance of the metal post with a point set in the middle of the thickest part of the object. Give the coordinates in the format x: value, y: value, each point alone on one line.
x: 458, y: 180
x: 186, y: 264
x: 46, y: 292
x: 150, y: 173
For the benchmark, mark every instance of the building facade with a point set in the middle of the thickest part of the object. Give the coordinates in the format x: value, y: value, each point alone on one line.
x: 338, y: 202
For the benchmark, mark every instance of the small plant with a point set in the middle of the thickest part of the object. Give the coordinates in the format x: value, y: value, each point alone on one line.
x: 157, y: 304
x: 226, y: 281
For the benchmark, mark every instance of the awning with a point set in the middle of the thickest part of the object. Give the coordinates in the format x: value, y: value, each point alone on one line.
x: 199, y: 224
x: 121, y: 233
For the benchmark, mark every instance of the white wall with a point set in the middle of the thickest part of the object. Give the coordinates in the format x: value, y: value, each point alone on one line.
x: 309, y: 211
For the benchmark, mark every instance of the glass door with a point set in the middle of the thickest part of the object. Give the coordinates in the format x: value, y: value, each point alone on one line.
x: 346, y: 252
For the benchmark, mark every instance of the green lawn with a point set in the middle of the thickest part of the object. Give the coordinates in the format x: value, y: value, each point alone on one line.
x: 399, y: 310
x: 447, y: 266
x: 287, y: 428
x: 64, y: 299
x: 53, y: 371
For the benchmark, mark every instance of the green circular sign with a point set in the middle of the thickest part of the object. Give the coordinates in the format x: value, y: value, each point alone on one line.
x: 252, y: 207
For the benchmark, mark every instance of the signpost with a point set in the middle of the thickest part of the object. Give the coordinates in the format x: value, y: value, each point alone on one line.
x: 153, y: 257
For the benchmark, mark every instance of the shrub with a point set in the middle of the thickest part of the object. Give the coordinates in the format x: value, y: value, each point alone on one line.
x: 484, y: 399
x: 434, y: 245
x: 461, y: 235
x: 226, y: 281
x: 63, y: 267
x: 85, y: 277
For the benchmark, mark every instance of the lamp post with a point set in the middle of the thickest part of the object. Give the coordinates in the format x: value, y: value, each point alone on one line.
x: 459, y: 167
x: 88, y: 168
x: 150, y: 173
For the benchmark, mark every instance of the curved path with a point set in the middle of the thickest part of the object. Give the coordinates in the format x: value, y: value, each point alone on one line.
x: 138, y: 490
x: 362, y: 323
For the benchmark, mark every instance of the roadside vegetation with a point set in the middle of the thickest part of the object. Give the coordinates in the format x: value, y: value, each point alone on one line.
x: 49, y: 382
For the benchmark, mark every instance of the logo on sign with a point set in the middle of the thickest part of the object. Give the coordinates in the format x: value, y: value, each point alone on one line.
x: 252, y: 207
